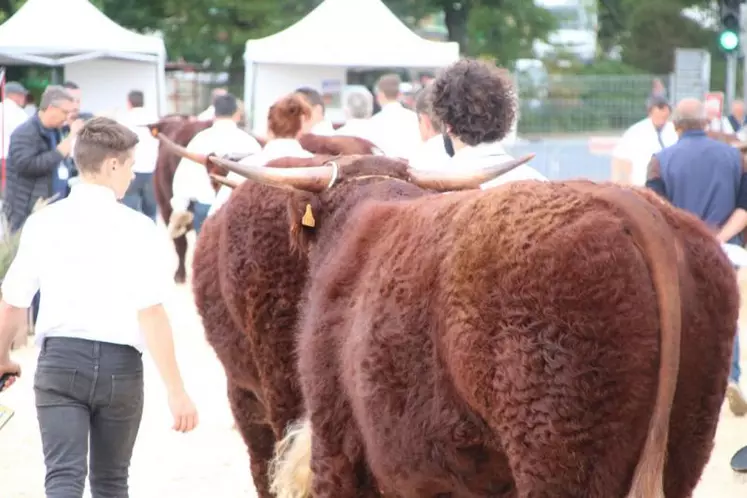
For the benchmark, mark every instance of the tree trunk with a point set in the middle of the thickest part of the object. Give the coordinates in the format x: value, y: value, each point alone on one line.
x: 456, y: 14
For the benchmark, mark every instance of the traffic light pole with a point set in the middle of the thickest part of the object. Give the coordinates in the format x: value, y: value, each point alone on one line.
x: 731, y: 78
x: 743, y: 36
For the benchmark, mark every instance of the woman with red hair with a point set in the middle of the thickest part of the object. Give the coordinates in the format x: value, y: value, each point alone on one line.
x: 289, y: 118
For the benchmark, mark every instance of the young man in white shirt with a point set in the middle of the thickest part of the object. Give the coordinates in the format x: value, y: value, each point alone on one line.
x: 641, y: 141
x: 320, y: 125
x: 193, y: 193
x: 101, y: 308
x: 141, y: 195
x: 395, y: 129
x: 477, y: 105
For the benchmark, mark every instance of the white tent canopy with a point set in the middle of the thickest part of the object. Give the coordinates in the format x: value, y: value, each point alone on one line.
x: 351, y: 33
x: 318, y: 49
x: 103, y: 58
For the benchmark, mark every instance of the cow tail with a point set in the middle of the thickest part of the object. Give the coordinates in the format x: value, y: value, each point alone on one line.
x: 665, y: 260
x: 290, y: 468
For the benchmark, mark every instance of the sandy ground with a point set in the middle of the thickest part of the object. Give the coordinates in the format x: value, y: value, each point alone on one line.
x: 212, y: 461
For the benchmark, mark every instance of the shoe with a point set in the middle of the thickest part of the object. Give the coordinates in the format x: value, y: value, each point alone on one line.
x: 737, y: 402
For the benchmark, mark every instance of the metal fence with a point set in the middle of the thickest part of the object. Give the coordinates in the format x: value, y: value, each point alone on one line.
x: 189, y: 90
x: 578, y: 104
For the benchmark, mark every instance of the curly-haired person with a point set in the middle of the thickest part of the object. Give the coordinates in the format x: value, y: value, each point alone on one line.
x: 476, y: 103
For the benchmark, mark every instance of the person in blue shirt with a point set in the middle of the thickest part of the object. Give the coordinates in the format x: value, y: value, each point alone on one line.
x: 709, y: 179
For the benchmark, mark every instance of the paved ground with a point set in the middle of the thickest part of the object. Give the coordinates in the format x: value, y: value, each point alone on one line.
x: 211, y: 462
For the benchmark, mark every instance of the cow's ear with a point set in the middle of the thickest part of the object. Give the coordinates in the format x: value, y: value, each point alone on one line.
x: 155, y: 128
x: 304, y: 210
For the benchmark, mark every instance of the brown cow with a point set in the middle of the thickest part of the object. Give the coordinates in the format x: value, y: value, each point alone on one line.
x: 503, y: 343
x: 181, y: 130
x: 247, y: 281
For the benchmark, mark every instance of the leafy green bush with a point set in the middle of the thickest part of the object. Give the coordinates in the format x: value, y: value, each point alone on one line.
x: 8, y: 246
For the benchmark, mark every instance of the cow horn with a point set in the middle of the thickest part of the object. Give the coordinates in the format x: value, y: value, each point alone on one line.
x: 181, y: 151
x: 224, y: 181
x: 313, y: 179
x: 448, y: 181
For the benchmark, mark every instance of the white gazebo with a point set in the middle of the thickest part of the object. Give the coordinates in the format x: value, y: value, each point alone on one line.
x: 318, y: 50
x: 103, y: 58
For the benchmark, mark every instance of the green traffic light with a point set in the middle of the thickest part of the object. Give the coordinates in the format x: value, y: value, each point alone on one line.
x: 728, y: 40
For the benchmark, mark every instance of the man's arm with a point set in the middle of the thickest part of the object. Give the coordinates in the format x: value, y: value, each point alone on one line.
x: 738, y: 219
x: 20, y: 285
x: 160, y: 342
x: 24, y: 156
x: 654, y: 181
x: 155, y: 326
x: 622, y: 163
x: 187, y: 174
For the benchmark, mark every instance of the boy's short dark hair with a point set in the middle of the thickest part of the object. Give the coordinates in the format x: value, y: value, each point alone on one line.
x: 313, y: 97
x: 136, y: 98
x: 101, y: 139
x: 475, y: 101
x: 225, y: 106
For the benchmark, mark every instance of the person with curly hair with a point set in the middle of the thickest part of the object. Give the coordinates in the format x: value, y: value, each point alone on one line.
x: 477, y: 105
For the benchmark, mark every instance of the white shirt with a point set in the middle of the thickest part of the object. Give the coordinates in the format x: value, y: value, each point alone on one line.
x: 396, y: 130
x: 207, y: 115
x: 431, y: 155
x: 97, y: 263
x: 191, y: 180
x: 490, y: 154
x: 146, y: 151
x: 323, y: 128
x: 274, y: 149
x: 639, y: 143
x: 360, y: 128
x: 13, y: 116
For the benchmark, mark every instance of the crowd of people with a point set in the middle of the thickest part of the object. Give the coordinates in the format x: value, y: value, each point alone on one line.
x: 103, y: 307
x: 670, y: 151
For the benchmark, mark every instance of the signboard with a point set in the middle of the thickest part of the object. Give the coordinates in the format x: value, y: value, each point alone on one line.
x: 714, y: 105
x: 692, y: 74
x: 332, y: 93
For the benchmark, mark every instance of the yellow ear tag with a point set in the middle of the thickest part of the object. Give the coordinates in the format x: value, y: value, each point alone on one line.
x: 308, y: 218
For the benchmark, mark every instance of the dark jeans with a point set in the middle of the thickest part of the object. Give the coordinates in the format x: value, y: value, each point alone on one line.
x: 35, y: 306
x: 736, y: 372
x: 200, y: 211
x: 141, y: 195
x: 86, y: 389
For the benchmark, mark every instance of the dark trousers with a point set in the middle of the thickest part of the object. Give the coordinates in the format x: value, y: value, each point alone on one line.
x: 200, y: 212
x: 35, y: 306
x: 88, y: 390
x: 141, y: 195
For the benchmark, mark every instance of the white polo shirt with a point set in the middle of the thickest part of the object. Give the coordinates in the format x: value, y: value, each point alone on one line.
x: 97, y: 263
x: 639, y: 143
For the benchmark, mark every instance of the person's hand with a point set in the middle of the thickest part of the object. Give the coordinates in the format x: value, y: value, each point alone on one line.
x: 184, y: 412
x: 9, y: 367
x: 75, y: 126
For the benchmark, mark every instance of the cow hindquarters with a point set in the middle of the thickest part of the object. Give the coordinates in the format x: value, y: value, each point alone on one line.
x: 257, y: 434
x: 561, y: 360
x: 290, y: 469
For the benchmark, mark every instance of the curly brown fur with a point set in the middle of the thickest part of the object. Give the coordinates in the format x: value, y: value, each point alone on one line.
x: 475, y: 101
x: 516, y: 361
x: 180, y: 130
x: 249, y: 311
